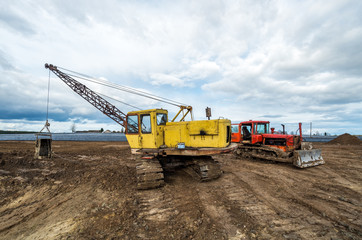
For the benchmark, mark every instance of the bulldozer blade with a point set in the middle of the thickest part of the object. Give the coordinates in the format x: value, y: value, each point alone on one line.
x: 308, y: 158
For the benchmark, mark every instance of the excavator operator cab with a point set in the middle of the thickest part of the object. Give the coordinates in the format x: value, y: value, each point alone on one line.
x: 145, y: 129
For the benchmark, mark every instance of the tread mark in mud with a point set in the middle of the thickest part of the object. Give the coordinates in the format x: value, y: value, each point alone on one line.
x: 275, y: 222
x: 155, y: 206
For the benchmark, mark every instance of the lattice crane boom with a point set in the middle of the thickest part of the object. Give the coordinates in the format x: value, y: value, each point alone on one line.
x: 90, y: 96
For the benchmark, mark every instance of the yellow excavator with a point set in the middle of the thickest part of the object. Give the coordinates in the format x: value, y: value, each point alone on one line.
x: 159, y: 143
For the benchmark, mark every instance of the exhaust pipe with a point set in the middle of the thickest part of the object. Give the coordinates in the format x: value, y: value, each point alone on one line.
x: 300, y: 131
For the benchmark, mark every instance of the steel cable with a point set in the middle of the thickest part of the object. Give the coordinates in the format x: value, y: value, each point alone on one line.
x: 122, y: 88
x: 48, y: 97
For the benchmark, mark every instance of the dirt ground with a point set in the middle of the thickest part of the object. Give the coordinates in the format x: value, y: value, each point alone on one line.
x: 87, y: 191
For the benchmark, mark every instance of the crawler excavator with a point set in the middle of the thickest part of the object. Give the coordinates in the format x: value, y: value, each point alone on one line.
x: 256, y: 141
x: 159, y: 143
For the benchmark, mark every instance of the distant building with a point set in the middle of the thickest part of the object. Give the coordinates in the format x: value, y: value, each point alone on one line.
x: 89, y: 131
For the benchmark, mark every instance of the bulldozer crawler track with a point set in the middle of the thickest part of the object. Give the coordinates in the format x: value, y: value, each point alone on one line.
x: 265, y: 153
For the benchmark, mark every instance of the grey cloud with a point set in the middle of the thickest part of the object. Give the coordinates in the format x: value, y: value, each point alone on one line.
x: 330, y: 39
x: 4, y: 63
x: 272, y: 116
x: 110, y: 12
x: 66, y: 10
x: 274, y: 59
x: 15, y: 22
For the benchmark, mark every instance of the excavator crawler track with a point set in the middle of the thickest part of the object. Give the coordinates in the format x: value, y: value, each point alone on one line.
x: 204, y: 169
x: 149, y: 173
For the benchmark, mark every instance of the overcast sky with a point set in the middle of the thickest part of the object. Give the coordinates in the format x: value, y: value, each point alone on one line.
x: 282, y: 61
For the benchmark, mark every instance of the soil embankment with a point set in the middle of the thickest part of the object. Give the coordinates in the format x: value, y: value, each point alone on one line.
x: 87, y: 191
x: 346, y: 139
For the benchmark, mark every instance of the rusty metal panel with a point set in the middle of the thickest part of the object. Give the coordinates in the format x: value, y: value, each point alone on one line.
x: 308, y: 158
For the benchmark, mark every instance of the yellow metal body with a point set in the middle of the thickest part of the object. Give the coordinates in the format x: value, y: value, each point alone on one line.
x: 149, y: 129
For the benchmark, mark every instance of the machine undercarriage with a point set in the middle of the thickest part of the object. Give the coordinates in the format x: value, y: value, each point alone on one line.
x: 150, y: 169
x: 299, y: 158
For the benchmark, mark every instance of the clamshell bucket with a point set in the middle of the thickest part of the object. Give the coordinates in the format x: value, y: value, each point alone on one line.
x: 43, y: 147
x: 308, y: 158
x: 43, y: 143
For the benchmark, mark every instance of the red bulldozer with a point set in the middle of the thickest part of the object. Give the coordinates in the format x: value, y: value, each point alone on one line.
x: 256, y: 141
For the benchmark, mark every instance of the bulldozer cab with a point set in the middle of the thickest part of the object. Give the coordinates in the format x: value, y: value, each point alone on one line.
x: 252, y: 131
x: 249, y: 132
x: 145, y: 129
x: 241, y: 132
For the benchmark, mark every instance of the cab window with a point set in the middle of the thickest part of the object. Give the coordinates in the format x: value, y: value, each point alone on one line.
x: 234, y: 128
x: 146, y: 123
x: 161, y: 118
x: 132, y: 124
x: 262, y: 128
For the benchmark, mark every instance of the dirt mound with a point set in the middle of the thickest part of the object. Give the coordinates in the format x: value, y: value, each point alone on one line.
x: 346, y: 139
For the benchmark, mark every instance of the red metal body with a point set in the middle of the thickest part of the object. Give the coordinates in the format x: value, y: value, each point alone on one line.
x: 258, y: 133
